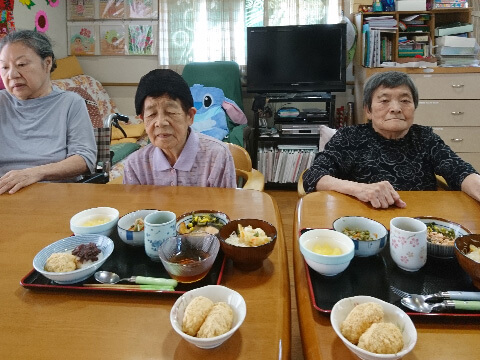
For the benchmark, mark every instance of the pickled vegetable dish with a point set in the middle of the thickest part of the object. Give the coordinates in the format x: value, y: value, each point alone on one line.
x: 206, y: 222
x: 357, y: 234
x: 440, y: 235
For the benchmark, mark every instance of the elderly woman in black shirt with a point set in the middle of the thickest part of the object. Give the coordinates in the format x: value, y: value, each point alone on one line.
x: 375, y: 160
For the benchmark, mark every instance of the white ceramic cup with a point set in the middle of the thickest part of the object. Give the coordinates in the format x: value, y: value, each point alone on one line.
x: 408, y: 243
x: 159, y: 226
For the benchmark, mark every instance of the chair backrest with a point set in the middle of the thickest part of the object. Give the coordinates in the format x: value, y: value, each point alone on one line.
x: 300, y: 190
x: 241, y: 158
x: 247, y: 177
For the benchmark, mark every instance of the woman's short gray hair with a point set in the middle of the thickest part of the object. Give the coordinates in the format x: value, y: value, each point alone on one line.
x: 388, y: 79
x: 38, y: 42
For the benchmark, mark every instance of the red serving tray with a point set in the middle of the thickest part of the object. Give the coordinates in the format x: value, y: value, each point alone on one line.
x: 373, y: 276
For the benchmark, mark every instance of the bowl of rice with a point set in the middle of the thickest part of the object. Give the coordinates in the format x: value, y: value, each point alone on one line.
x: 248, y: 242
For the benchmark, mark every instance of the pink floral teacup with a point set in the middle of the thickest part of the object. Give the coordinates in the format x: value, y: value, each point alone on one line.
x: 408, y: 243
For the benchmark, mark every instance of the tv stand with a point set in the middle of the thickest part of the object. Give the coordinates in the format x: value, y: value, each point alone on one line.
x: 282, y: 155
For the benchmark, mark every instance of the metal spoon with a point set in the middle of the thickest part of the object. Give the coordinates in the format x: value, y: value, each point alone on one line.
x: 418, y: 304
x: 107, y: 277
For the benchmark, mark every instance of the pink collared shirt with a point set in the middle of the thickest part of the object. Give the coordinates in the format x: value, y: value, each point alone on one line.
x: 204, y: 161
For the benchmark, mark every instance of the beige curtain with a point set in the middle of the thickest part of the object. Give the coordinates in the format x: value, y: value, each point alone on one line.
x: 210, y: 30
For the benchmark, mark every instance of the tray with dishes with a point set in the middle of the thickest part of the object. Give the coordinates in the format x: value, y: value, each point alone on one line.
x: 375, y: 275
x: 116, y: 248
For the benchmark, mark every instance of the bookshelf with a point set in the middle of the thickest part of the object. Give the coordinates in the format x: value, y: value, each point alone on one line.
x: 283, y: 155
x: 423, y: 28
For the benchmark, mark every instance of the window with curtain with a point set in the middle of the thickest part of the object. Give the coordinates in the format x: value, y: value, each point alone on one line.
x: 209, y: 30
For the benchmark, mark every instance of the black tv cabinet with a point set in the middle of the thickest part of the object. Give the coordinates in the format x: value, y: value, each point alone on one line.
x: 297, y: 135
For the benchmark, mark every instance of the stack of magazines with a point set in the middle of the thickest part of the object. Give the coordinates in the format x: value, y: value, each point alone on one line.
x: 285, y: 163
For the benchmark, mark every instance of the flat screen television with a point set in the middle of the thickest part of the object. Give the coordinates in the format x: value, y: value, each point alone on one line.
x: 296, y: 58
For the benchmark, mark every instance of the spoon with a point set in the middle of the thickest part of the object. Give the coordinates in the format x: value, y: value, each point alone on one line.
x: 107, y: 277
x: 420, y: 305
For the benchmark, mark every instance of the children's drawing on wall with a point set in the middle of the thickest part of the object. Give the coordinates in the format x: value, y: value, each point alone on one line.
x: 112, y: 40
x: 6, y: 17
x: 28, y: 3
x: 82, y: 40
x: 140, y: 9
x: 41, y: 21
x: 112, y: 9
x: 141, y: 40
x: 81, y: 9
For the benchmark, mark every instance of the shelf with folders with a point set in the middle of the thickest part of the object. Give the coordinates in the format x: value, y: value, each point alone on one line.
x: 399, y: 35
x: 284, y: 164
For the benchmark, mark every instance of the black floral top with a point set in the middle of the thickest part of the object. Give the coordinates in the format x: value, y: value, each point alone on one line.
x: 358, y: 153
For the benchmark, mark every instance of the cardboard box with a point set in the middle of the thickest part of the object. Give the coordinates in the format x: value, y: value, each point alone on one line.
x: 411, y: 5
x: 354, y: 4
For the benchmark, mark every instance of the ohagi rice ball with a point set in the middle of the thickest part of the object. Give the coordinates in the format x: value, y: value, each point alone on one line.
x: 382, y: 338
x: 61, y: 262
x: 195, y: 314
x: 219, y: 320
x: 360, y: 319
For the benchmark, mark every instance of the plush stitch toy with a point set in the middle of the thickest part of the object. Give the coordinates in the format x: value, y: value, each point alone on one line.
x: 212, y: 107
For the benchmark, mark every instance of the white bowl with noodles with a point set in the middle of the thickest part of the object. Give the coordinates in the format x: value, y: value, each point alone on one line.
x: 99, y: 220
x: 443, y: 250
x: 392, y: 314
x: 359, y: 225
x: 216, y: 293
x: 104, y: 243
x: 134, y: 238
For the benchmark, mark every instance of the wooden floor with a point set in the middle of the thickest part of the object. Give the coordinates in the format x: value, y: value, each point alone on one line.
x: 287, y: 201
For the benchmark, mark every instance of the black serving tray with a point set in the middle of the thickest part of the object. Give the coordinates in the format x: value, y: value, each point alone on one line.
x: 373, y: 276
x: 126, y: 261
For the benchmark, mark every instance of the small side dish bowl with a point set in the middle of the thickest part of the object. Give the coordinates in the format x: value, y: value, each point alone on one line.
x: 104, y: 243
x: 201, y: 221
x: 328, y: 265
x: 392, y: 314
x: 135, y: 238
x: 189, y: 258
x: 377, y: 232
x: 442, y: 250
x: 247, y: 257
x: 216, y: 293
x: 99, y: 220
x: 470, y: 266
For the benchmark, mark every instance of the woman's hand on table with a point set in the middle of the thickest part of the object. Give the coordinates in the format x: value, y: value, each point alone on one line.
x: 379, y: 195
x: 14, y: 180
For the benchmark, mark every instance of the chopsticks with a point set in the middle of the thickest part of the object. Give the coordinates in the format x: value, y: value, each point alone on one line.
x: 131, y: 287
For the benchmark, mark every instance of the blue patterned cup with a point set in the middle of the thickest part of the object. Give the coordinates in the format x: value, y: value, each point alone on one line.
x: 159, y: 226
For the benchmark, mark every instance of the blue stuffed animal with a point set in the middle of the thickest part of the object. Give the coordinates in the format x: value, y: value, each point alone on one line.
x: 212, y: 106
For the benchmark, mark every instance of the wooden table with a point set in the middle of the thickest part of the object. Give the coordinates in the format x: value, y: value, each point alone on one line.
x: 105, y: 325
x: 438, y: 337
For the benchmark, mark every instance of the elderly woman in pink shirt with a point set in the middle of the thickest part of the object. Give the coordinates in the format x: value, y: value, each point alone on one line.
x: 176, y: 155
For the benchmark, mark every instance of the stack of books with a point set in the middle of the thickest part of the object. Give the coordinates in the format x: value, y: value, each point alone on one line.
x: 456, y: 51
x: 454, y: 29
x: 415, y: 23
x: 449, y: 4
x: 376, y: 39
